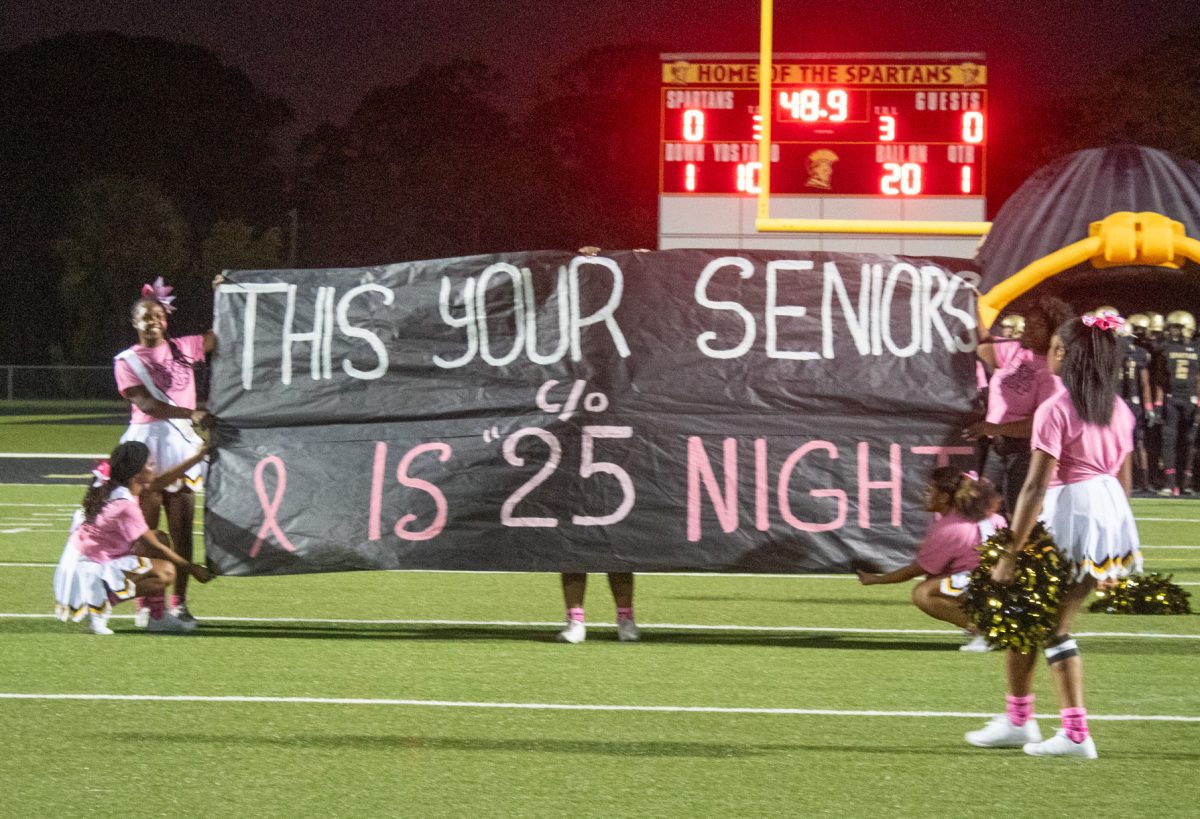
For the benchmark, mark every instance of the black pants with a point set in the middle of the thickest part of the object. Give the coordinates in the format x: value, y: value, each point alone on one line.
x: 1178, y: 435
x: 1014, y: 458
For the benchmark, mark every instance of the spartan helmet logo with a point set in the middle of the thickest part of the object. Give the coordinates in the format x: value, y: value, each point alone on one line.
x: 679, y: 72
x: 820, y: 169
x: 970, y: 73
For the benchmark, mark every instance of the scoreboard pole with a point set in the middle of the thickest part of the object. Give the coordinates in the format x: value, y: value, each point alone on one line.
x: 764, y: 222
x: 765, y: 50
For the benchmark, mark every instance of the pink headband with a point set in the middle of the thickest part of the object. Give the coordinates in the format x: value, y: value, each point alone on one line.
x: 103, y: 473
x: 159, y: 292
x: 972, y: 474
x: 1105, y: 321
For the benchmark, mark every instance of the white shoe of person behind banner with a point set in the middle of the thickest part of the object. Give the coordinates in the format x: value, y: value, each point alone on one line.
x: 141, y: 617
x: 627, y: 630
x: 1061, y: 745
x: 575, y: 632
x: 1001, y: 733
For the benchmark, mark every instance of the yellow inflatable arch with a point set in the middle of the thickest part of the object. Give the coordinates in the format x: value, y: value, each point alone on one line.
x: 1119, y: 239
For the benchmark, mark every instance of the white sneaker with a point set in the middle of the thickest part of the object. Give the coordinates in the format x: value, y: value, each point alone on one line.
x: 181, y: 611
x: 169, y: 624
x: 575, y: 632
x: 1061, y: 745
x: 99, y: 624
x: 627, y: 630
x: 141, y: 618
x: 977, y: 644
x: 1001, y: 733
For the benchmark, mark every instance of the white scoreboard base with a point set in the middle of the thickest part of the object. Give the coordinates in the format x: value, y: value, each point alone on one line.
x: 717, y: 221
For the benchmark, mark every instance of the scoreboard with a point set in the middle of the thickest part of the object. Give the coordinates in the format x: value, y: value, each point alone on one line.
x: 896, y: 136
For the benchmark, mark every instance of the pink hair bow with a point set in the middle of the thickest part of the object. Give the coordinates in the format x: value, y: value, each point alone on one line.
x: 1105, y: 321
x: 972, y: 474
x: 102, y: 472
x: 160, y: 292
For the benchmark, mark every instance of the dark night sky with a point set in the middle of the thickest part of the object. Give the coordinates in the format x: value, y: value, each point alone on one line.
x: 324, y: 55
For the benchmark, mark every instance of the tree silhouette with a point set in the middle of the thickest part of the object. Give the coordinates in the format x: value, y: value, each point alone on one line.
x: 428, y: 168
x: 1152, y: 99
x: 122, y: 231
x: 85, y: 106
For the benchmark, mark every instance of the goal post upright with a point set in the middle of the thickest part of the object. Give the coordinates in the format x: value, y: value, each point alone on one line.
x: 765, y: 223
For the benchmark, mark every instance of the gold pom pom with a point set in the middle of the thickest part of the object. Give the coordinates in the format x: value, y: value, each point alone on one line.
x: 1023, y: 614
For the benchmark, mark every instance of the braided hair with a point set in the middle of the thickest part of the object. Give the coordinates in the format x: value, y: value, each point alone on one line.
x: 125, y: 462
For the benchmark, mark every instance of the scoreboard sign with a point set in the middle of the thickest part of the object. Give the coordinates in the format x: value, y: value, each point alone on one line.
x: 893, y: 126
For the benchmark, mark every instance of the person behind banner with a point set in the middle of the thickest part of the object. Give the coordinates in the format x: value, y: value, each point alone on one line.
x: 574, y: 586
x: 157, y: 377
x: 1180, y: 397
x: 1138, y: 395
x: 1020, y: 383
x: 111, y: 554
x: 965, y: 507
x: 1079, y: 483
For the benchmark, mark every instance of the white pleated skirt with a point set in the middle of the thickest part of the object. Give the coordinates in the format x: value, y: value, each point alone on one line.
x: 170, y: 444
x: 1093, y: 526
x: 82, y: 586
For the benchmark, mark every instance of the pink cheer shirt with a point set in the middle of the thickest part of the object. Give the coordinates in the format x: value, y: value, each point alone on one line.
x: 111, y: 535
x: 951, y: 544
x: 1020, y: 383
x: 1083, y: 450
x: 175, y: 378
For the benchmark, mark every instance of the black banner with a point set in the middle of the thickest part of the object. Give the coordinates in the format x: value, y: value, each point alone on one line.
x: 633, y: 411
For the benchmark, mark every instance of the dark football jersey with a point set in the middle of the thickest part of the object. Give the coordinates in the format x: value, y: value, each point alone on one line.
x: 1134, y: 360
x: 1182, y: 361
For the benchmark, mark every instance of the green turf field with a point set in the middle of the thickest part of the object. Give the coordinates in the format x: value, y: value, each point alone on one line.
x: 439, y: 694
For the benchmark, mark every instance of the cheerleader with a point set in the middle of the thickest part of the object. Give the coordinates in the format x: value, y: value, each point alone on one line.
x: 1020, y: 382
x: 965, y: 507
x: 157, y: 377
x: 1078, y: 483
x: 111, y: 554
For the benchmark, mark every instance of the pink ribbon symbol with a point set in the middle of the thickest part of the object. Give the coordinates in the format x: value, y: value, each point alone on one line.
x: 270, y: 507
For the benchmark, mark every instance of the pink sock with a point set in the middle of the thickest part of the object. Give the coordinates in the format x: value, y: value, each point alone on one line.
x: 140, y: 602
x: 176, y: 600
x: 1074, y: 721
x: 624, y: 613
x: 157, y: 605
x: 1019, y: 709
x: 575, y: 613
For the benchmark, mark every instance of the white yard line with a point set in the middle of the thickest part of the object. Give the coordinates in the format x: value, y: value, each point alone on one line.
x: 59, y: 455
x: 563, y: 706
x: 558, y: 623
x: 714, y: 575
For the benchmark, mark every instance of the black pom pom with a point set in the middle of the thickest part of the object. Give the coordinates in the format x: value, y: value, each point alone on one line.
x: 1022, y: 615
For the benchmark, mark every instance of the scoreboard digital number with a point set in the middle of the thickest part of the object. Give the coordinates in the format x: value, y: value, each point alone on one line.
x: 841, y: 125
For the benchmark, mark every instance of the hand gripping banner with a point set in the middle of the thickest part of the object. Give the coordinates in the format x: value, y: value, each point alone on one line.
x: 633, y: 411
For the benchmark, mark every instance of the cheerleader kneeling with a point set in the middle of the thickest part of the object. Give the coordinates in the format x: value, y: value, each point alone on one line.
x: 111, y: 554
